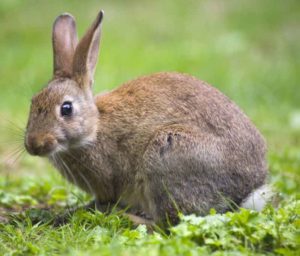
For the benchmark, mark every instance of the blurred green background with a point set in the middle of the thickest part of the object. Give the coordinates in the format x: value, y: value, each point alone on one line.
x: 250, y: 50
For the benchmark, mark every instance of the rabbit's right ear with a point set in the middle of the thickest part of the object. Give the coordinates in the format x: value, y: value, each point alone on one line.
x: 86, y: 54
x: 64, y: 40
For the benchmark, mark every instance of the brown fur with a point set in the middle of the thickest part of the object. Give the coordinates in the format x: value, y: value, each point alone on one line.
x: 158, y: 144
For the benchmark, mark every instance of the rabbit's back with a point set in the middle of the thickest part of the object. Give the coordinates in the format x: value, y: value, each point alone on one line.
x: 150, y: 102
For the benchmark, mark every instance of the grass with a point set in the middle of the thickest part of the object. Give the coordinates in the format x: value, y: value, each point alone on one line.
x: 248, y: 49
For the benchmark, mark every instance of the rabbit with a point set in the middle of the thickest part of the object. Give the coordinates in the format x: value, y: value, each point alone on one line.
x: 160, y: 144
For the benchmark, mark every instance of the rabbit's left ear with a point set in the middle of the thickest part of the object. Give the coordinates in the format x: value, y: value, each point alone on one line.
x: 86, y: 54
x: 64, y: 41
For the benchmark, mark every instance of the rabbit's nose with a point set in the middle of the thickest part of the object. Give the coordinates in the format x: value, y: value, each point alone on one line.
x: 40, y: 145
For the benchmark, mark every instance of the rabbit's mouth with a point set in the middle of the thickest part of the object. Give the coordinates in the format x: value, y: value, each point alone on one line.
x: 41, y: 145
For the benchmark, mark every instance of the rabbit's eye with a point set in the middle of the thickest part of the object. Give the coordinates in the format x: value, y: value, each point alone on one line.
x: 66, y: 108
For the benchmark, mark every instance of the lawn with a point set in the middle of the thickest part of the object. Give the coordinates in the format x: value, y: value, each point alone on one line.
x: 250, y: 50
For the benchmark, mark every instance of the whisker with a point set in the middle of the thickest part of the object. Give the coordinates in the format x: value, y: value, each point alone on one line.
x: 18, y: 157
x: 82, y: 176
x: 13, y: 157
x: 14, y: 151
x: 87, y: 182
x: 68, y: 174
x: 14, y: 125
x: 83, y: 164
x: 12, y: 142
x: 56, y: 162
x: 65, y: 169
x: 12, y: 132
x: 17, y: 134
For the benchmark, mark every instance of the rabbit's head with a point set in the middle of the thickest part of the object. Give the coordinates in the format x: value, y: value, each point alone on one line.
x: 63, y: 115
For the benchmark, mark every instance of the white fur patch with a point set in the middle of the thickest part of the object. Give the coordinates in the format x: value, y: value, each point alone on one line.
x: 258, y: 199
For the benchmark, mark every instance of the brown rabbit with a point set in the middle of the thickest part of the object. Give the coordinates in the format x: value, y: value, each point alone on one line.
x: 159, y: 144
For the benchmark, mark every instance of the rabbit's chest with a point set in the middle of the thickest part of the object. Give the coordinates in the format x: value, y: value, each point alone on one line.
x: 91, y: 174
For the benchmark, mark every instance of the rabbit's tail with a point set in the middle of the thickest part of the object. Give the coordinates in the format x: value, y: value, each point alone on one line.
x: 258, y: 199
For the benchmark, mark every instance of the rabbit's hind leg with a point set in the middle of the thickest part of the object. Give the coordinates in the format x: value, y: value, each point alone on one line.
x: 179, y: 172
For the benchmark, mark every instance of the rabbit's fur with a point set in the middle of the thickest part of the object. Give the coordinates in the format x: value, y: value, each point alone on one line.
x: 160, y: 144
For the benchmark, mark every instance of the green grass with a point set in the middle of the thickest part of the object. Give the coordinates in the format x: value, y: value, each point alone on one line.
x: 248, y: 49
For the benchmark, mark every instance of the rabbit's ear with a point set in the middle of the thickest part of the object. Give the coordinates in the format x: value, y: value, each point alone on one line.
x: 86, y: 54
x: 64, y: 40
